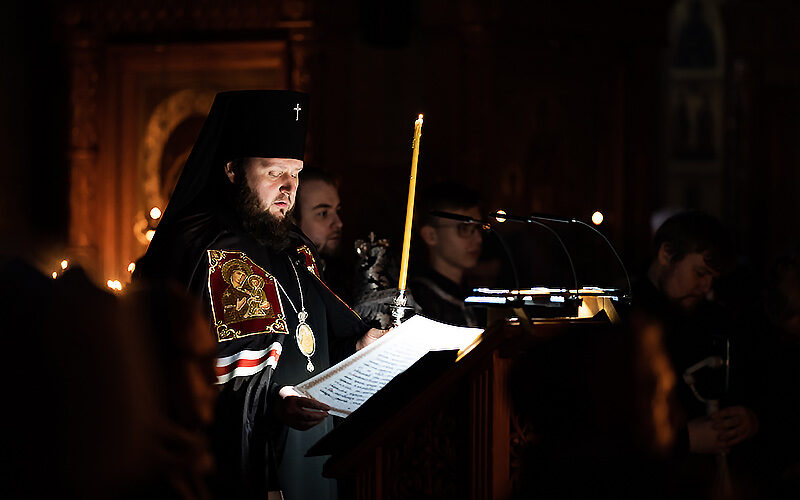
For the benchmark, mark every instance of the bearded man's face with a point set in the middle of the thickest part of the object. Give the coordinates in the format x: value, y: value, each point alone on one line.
x: 264, y: 196
x: 274, y: 181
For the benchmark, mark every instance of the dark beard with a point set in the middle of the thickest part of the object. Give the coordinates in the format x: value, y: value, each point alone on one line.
x: 262, y: 225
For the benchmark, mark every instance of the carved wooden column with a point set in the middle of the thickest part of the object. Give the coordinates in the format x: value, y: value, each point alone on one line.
x: 83, y: 146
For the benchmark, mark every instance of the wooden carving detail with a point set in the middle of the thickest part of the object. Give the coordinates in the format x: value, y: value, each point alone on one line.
x: 83, y: 141
x: 522, y: 436
x: 83, y: 132
x: 295, y: 9
x: 175, y: 17
x: 299, y: 49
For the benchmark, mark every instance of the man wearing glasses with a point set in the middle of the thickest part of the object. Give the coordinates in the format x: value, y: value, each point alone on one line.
x: 453, y: 247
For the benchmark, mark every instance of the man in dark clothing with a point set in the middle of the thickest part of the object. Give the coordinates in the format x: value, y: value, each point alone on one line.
x: 453, y: 248
x: 318, y: 214
x: 226, y: 236
x: 700, y: 336
x: 319, y: 210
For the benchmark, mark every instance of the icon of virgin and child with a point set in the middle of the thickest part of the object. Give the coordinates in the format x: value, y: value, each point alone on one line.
x: 245, y: 298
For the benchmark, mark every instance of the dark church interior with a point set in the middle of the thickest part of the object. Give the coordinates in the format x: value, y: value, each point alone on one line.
x: 619, y: 114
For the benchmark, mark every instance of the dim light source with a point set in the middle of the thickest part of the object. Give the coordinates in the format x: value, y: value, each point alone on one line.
x: 597, y: 218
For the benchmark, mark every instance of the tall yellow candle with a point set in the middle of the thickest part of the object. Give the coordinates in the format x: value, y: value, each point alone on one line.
x: 412, y: 187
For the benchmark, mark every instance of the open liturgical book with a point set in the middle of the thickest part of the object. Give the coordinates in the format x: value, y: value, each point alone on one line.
x: 348, y: 384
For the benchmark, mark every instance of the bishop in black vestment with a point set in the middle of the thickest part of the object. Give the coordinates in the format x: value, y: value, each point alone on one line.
x: 226, y: 236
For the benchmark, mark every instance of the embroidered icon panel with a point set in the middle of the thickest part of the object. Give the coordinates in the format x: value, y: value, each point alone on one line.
x: 244, y: 297
x: 311, y: 264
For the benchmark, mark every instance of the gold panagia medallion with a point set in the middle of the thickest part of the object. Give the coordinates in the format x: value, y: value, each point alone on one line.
x: 305, y: 339
x: 306, y: 342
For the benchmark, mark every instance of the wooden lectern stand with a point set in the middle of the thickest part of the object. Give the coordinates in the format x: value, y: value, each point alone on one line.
x: 445, y: 428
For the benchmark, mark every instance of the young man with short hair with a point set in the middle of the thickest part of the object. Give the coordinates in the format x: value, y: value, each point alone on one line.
x: 319, y: 211
x: 453, y: 248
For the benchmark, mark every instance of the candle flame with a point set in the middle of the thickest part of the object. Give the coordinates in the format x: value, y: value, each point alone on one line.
x: 597, y: 218
x: 114, y: 285
x: 155, y: 213
x: 55, y: 275
x: 64, y: 264
x: 131, y: 267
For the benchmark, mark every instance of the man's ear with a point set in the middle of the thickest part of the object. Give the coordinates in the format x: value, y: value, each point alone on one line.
x: 429, y: 235
x: 664, y: 255
x: 229, y: 172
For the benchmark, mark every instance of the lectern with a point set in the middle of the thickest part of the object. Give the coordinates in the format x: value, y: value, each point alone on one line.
x: 446, y: 427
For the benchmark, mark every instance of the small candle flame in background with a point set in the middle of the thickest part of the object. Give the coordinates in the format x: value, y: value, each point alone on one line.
x: 114, y: 285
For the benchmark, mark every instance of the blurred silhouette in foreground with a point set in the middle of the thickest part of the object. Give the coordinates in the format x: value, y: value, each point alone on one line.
x: 107, y: 395
x: 780, y: 462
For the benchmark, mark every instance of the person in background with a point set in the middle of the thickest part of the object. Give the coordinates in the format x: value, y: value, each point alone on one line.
x: 319, y: 216
x: 318, y: 212
x: 692, y: 249
x: 453, y: 248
